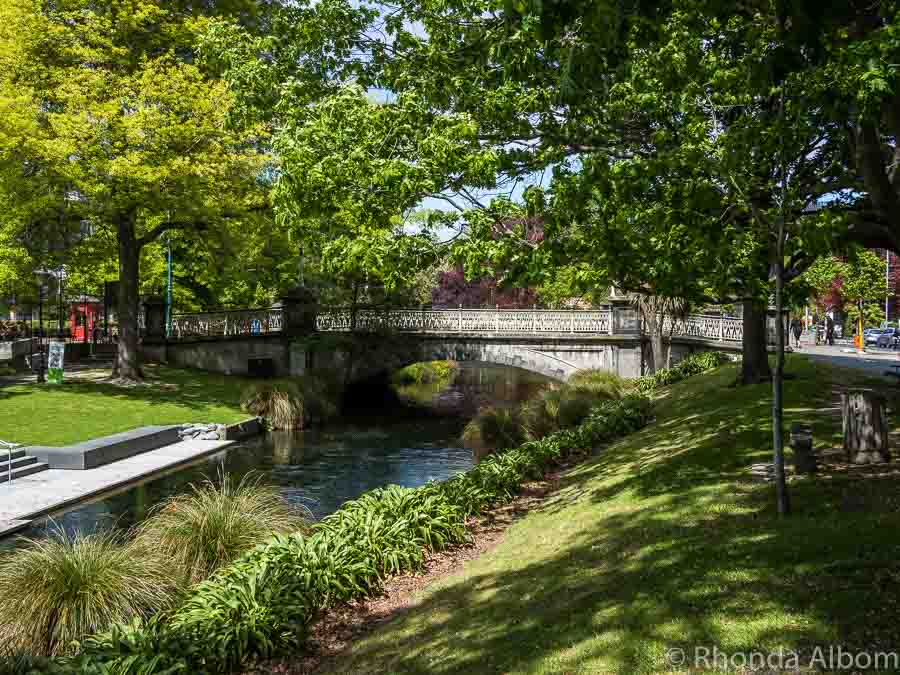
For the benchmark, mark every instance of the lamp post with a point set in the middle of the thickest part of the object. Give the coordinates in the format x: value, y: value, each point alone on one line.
x: 41, y: 275
x: 168, y: 286
x: 887, y: 283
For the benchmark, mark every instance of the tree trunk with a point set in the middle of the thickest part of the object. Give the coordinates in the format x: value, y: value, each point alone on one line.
x: 127, y: 357
x: 782, y: 499
x: 865, y: 427
x: 653, y: 327
x: 754, y: 356
x: 657, y: 349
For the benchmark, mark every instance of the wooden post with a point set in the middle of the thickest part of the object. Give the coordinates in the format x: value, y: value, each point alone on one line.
x: 721, y: 325
x: 496, y: 318
x: 612, y: 317
x: 460, y: 317
x: 865, y: 427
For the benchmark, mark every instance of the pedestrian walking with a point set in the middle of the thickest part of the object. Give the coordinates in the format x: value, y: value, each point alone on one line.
x: 796, y: 330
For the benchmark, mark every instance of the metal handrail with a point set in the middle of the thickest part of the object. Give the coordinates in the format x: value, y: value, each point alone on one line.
x: 9, y: 447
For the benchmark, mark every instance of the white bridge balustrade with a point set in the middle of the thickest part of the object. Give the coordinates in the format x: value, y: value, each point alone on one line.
x: 705, y: 327
x: 715, y: 327
x: 512, y: 321
x: 227, y: 323
x: 585, y: 322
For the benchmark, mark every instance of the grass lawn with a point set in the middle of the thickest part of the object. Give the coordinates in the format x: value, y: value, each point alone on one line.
x: 80, y: 410
x: 663, y: 542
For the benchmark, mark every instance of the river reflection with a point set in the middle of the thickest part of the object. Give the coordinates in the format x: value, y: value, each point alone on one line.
x: 322, y: 468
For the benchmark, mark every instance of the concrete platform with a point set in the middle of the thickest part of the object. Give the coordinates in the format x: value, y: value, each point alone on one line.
x: 99, y: 451
x: 53, y: 490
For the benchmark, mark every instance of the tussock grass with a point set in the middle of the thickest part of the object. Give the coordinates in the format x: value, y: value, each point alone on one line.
x: 492, y: 429
x: 200, y: 531
x: 601, y: 383
x: 62, y: 588
x: 281, y: 403
x: 561, y: 407
x: 290, y: 404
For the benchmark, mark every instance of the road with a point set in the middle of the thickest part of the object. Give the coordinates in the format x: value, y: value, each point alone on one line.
x: 874, y: 361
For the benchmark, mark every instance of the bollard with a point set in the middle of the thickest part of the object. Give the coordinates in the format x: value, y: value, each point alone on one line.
x: 801, y: 443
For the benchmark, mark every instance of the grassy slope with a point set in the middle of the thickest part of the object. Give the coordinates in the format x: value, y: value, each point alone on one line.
x: 662, y: 541
x: 77, y: 411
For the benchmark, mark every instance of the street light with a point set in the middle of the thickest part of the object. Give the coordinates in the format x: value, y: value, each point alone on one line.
x: 41, y: 274
x: 887, y: 283
x: 168, y: 285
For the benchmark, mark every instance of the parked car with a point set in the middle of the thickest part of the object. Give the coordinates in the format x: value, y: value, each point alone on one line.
x: 872, y: 336
x: 883, y: 337
x: 889, y: 337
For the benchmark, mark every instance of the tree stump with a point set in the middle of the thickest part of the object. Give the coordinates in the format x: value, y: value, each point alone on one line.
x: 865, y: 427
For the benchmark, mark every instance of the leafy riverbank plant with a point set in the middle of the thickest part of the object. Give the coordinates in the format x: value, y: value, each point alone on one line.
x: 212, y: 525
x: 61, y: 588
x: 688, y: 366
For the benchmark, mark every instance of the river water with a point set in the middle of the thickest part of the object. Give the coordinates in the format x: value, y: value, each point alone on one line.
x: 320, y: 469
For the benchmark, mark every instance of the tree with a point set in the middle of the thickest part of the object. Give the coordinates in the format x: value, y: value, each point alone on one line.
x: 119, y: 131
x: 859, y: 281
x: 696, y: 148
x: 863, y: 281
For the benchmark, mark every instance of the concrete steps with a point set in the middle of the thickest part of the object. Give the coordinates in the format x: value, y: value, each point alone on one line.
x: 19, y: 465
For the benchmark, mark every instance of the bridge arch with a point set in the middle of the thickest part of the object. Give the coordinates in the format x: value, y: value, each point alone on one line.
x: 556, y: 359
x: 515, y: 356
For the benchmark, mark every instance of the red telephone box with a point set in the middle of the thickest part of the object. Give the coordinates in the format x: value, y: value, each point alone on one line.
x: 84, y: 316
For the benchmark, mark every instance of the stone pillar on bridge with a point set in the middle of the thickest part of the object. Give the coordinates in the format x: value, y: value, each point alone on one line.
x: 298, y: 307
x: 623, y: 317
x: 298, y: 316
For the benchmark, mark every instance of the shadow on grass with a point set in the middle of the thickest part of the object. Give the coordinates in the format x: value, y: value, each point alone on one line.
x: 621, y: 593
x: 663, y: 542
x: 163, y: 385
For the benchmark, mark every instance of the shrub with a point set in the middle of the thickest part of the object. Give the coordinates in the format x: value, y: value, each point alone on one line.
x: 426, y: 372
x: 62, y: 588
x: 212, y: 525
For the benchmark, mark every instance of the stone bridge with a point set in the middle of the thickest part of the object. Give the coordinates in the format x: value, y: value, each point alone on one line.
x: 292, y: 339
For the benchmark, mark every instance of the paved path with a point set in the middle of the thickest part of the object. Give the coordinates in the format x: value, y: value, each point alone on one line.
x: 49, y: 491
x: 874, y: 362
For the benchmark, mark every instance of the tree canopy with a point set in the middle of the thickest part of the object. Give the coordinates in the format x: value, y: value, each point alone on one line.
x: 115, y: 134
